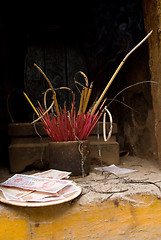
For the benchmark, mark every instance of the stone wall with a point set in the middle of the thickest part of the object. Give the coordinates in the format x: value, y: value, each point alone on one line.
x: 152, y: 20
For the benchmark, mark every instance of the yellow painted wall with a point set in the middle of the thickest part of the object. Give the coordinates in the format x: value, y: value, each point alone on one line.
x: 110, y: 220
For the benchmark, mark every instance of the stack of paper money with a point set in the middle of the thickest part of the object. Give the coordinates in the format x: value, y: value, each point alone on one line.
x: 40, y: 187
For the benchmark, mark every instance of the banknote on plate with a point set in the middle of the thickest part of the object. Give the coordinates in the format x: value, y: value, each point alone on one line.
x: 39, y: 187
x: 53, y: 174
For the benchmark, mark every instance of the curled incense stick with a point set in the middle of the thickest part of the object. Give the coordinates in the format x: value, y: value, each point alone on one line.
x: 36, y: 120
x: 84, y: 91
x: 45, y: 95
x: 104, y: 124
x: 117, y: 70
x: 51, y: 86
x: 85, y: 78
x: 50, y: 107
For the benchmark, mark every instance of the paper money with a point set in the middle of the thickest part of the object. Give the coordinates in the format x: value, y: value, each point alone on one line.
x: 44, y: 197
x: 40, y: 187
x: 16, y: 194
x: 115, y: 170
x: 53, y: 174
x: 41, y: 197
x: 68, y: 190
x: 35, y: 183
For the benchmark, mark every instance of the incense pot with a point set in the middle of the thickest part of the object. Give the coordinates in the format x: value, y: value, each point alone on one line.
x: 72, y: 156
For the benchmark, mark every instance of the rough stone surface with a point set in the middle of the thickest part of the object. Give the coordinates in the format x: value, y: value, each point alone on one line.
x: 152, y: 19
x: 108, y: 152
x: 98, y: 187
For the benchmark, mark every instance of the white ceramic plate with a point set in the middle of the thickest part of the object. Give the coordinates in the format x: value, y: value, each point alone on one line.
x: 40, y: 204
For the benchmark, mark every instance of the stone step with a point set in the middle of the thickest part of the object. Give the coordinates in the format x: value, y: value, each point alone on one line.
x: 28, y: 150
x: 36, y: 156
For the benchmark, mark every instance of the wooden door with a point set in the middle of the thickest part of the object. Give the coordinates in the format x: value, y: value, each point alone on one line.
x: 60, y: 60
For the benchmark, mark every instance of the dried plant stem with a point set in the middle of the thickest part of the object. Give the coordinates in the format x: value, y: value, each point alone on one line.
x: 54, y: 94
x: 126, y: 88
x: 116, y: 72
x: 45, y: 77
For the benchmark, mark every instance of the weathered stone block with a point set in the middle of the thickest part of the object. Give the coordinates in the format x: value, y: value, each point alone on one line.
x: 28, y: 156
x: 105, y: 152
x: 28, y: 150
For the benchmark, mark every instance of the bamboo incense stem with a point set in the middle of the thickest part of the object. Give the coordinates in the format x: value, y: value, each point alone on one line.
x: 144, y: 39
x: 85, y: 95
x: 81, y: 102
x: 31, y: 103
x: 107, y: 87
x: 117, y: 70
x: 56, y: 104
x: 51, y: 86
x: 87, y: 98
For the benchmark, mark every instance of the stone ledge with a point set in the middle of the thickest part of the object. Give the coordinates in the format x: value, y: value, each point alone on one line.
x: 109, y: 208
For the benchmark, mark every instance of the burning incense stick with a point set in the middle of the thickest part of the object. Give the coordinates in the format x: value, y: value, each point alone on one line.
x: 117, y: 70
x: 31, y: 103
